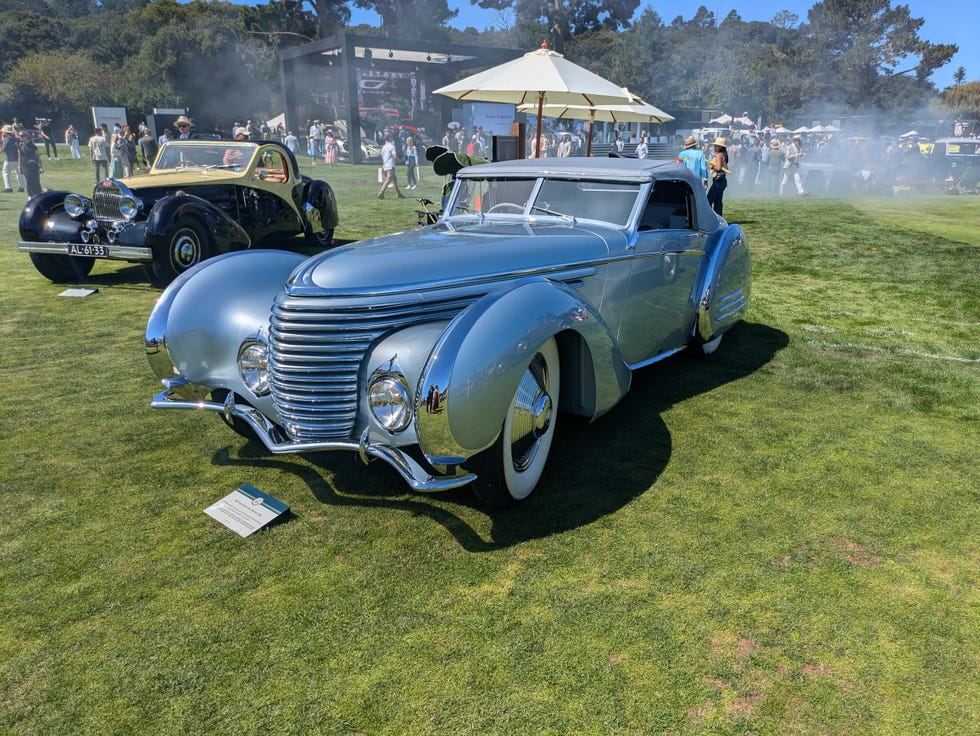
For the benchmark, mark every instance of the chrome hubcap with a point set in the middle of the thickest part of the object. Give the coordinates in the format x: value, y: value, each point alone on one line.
x: 532, y: 414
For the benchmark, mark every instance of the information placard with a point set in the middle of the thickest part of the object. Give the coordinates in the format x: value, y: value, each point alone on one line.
x: 246, y: 510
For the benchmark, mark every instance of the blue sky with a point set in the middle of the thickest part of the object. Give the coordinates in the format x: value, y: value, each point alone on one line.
x: 946, y: 21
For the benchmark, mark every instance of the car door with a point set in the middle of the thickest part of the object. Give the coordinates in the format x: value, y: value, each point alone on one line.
x: 668, y: 248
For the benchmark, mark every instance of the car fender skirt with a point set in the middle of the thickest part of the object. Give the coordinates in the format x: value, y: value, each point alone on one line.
x: 724, y: 284
x: 202, y: 317
x: 477, y: 363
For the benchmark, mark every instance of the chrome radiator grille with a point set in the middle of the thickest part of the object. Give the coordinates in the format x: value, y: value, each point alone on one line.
x: 105, y: 200
x: 317, y: 345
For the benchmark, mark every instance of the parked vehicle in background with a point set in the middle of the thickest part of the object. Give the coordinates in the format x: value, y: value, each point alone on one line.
x: 201, y: 198
x: 447, y: 351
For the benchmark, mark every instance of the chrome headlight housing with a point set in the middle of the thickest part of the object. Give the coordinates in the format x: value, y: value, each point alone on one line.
x: 390, y: 400
x: 253, y: 365
x: 129, y: 206
x: 76, y: 205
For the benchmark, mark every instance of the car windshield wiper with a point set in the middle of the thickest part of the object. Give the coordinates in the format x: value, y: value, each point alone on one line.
x: 466, y: 209
x: 545, y: 210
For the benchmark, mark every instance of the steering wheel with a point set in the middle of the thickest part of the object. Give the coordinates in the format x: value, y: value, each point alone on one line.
x: 506, y: 207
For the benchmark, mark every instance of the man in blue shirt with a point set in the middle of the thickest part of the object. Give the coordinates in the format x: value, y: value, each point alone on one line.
x: 692, y: 157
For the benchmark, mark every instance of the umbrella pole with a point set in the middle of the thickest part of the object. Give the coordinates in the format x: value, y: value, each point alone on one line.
x: 537, y: 135
x: 588, y: 148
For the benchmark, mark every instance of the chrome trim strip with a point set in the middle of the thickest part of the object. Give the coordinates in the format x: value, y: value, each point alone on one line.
x: 116, y: 252
x: 657, y: 358
x: 413, y: 473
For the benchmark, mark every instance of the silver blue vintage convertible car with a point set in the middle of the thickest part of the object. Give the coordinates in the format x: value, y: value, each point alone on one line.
x: 447, y: 350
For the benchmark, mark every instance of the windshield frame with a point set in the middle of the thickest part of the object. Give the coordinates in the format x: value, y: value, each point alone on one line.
x: 203, y: 156
x: 460, y: 203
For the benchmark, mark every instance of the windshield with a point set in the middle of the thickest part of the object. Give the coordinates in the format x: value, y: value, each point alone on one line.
x: 609, y: 202
x: 183, y: 156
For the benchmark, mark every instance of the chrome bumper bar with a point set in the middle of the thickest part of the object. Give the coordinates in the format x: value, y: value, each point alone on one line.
x: 112, y: 252
x: 413, y: 473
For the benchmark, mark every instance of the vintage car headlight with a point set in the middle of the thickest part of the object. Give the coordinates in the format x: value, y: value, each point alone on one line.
x: 253, y: 364
x: 390, y: 400
x: 76, y: 205
x: 129, y: 207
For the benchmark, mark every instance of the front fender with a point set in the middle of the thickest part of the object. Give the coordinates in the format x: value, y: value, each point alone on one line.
x: 201, y: 319
x: 228, y: 234
x: 319, y: 206
x: 478, y: 361
x: 724, y: 284
x: 44, y: 218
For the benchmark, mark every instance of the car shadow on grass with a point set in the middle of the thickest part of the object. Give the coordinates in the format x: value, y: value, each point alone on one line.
x: 594, y: 468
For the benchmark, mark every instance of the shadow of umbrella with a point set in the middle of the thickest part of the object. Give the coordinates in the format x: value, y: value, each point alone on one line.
x: 632, y: 440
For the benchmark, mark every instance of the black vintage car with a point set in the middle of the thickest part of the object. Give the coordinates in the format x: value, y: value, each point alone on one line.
x: 201, y: 198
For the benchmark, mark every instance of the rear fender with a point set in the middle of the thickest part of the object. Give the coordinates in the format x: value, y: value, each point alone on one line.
x: 724, y: 284
x: 227, y: 234
x: 478, y: 361
x: 202, y: 317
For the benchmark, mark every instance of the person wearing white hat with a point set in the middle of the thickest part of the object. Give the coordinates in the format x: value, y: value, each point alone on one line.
x: 719, y: 175
x: 793, y: 154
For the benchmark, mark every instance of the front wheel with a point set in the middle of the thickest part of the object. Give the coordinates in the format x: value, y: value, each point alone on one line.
x: 188, y: 245
x: 509, y: 470
x: 62, y: 269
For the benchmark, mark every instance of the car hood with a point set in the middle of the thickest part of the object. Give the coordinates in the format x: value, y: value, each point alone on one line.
x: 453, y: 254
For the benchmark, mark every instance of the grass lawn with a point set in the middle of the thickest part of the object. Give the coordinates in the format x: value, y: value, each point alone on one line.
x: 779, y: 540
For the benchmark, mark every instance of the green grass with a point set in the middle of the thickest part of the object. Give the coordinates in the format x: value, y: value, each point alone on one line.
x: 779, y: 540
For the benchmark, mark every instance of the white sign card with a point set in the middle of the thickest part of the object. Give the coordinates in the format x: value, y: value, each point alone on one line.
x: 246, y: 510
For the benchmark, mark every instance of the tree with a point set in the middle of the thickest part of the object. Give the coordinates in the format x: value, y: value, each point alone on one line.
x: 23, y: 34
x: 863, y: 41
x: 411, y: 19
x: 560, y: 20
x: 58, y: 82
x: 963, y: 99
x: 959, y: 75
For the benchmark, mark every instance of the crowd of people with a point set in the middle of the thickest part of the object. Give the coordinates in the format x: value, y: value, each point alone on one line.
x: 763, y: 162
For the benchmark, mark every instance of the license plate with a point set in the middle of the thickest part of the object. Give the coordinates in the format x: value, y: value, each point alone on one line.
x: 87, y: 249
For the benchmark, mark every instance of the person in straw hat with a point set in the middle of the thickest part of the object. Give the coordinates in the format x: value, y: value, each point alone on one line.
x: 184, y: 125
x: 775, y: 165
x: 794, y: 152
x: 719, y: 174
x: 693, y: 158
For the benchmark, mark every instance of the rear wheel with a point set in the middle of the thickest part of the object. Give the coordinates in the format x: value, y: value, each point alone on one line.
x: 510, y: 469
x: 188, y: 245
x: 62, y: 269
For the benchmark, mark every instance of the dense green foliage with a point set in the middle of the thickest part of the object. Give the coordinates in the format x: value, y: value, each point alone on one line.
x: 221, y: 60
x: 778, y: 540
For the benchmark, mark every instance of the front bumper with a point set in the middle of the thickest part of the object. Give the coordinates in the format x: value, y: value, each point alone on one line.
x: 274, y: 439
x: 89, y: 250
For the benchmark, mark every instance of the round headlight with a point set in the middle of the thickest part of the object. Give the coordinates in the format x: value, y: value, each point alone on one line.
x: 129, y: 207
x: 390, y: 402
x: 76, y: 205
x: 253, y: 364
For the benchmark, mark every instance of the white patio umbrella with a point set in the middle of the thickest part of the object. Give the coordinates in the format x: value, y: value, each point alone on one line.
x: 802, y: 129
x: 540, y: 77
x: 722, y: 119
x: 635, y: 112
